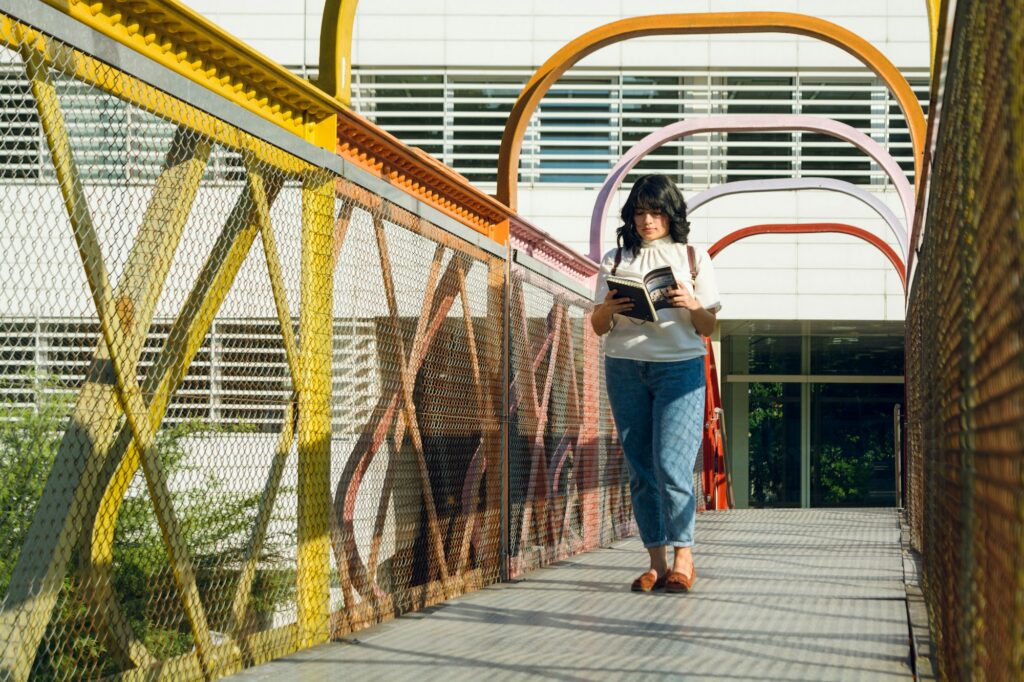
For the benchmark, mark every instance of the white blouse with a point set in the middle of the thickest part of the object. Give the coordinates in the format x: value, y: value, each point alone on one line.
x: 672, y: 337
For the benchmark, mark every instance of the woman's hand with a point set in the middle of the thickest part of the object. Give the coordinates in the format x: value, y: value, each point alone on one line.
x: 680, y: 296
x: 613, y: 304
x: 703, y: 320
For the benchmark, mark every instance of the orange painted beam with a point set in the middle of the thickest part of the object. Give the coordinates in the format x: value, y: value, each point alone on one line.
x: 686, y: 24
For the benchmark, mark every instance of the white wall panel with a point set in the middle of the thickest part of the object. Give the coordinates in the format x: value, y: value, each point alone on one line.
x: 856, y: 254
x: 895, y: 307
x: 742, y: 52
x: 756, y: 281
x: 852, y: 307
x: 560, y: 25
x: 280, y: 50
x: 906, y: 29
x: 752, y: 254
x: 414, y: 51
x: 400, y: 8
x: 418, y: 27
x: 889, y: 25
x: 840, y: 10
x: 761, y: 307
x: 841, y: 281
x: 593, y: 8
x: 487, y: 52
x: 515, y: 26
x: 685, y: 53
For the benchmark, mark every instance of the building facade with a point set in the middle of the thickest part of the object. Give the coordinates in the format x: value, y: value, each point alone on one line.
x: 811, y: 334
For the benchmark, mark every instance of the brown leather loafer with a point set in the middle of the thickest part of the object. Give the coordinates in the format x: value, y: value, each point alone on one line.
x: 678, y: 582
x: 647, y: 582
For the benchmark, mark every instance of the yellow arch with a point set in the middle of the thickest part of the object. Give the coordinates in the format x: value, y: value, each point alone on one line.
x: 933, y: 25
x: 336, y: 49
x: 684, y: 24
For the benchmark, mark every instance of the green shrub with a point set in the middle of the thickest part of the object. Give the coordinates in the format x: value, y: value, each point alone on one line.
x: 215, y: 524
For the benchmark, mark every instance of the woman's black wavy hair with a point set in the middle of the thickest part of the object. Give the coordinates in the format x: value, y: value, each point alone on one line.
x: 653, y: 192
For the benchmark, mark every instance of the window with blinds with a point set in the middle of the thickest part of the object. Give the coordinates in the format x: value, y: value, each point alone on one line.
x: 592, y: 116
x: 239, y: 375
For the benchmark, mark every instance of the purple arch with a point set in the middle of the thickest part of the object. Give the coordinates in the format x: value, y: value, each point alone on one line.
x: 788, y: 184
x: 735, y: 123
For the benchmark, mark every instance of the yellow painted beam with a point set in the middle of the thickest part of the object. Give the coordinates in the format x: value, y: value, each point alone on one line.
x: 934, y: 7
x: 336, y: 31
x: 270, y: 253
x: 243, y: 591
x: 316, y: 320
x: 183, y: 342
x: 70, y: 497
x: 135, y: 299
x: 172, y: 34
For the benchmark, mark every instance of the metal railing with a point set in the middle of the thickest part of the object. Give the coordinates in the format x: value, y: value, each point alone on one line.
x: 965, y: 351
x: 255, y: 395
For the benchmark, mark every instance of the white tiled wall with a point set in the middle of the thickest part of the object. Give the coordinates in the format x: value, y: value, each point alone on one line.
x: 816, y: 276
x: 768, y: 277
x: 525, y: 34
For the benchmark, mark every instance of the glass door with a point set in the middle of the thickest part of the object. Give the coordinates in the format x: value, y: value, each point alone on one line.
x: 774, y: 444
x: 853, y: 463
x: 810, y: 417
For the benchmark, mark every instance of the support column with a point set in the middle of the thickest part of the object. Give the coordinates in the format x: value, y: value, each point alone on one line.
x: 314, y: 437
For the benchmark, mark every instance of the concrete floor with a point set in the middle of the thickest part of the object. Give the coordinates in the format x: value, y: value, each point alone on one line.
x: 780, y: 595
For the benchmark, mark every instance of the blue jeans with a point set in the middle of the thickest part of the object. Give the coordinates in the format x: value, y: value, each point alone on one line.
x: 659, y: 412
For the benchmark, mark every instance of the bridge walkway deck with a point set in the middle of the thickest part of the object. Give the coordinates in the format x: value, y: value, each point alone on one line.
x: 781, y: 595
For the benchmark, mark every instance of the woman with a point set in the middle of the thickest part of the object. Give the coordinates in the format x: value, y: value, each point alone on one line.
x: 655, y: 374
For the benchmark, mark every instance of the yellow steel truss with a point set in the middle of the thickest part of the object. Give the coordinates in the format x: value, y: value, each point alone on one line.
x: 106, y: 453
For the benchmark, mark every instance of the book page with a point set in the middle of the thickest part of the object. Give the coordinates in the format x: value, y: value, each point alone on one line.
x: 658, y: 282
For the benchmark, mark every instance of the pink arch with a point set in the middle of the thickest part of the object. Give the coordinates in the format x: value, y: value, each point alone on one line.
x: 695, y: 126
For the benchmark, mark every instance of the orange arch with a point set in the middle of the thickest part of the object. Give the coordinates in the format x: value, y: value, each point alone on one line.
x: 684, y: 24
x: 812, y: 228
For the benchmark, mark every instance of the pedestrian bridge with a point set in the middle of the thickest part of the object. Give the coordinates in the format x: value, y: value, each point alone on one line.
x: 781, y: 595
x: 279, y: 390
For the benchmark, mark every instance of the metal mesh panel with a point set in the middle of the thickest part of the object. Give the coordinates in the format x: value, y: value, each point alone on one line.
x: 965, y: 364
x: 149, y: 374
x: 567, y: 486
x: 417, y: 405
x: 246, y: 404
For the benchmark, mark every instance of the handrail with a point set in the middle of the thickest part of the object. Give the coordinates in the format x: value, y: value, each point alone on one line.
x: 181, y: 40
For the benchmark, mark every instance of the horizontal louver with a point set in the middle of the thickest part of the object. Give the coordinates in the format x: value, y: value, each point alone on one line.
x: 591, y: 117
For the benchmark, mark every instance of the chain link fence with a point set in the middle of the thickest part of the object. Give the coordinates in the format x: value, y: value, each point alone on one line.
x: 417, y: 432
x: 965, y: 356
x: 567, y: 482
x: 248, y: 404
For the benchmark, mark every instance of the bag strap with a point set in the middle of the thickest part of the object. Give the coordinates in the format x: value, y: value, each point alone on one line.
x: 618, y: 259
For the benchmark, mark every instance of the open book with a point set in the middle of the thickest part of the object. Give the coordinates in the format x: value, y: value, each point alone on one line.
x: 648, y: 295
